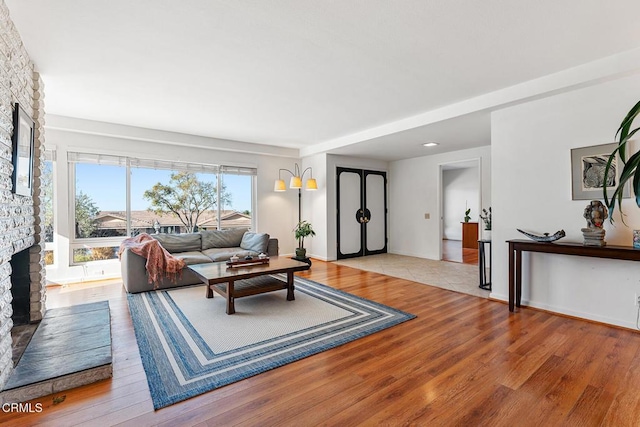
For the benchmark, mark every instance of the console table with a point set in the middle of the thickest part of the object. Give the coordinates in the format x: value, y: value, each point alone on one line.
x: 516, y: 247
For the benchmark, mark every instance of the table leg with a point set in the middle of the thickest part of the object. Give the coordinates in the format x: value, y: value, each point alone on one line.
x: 511, y: 279
x: 481, y: 263
x: 209, y: 291
x: 290, y: 286
x: 231, y: 307
x: 490, y: 266
x: 518, y: 277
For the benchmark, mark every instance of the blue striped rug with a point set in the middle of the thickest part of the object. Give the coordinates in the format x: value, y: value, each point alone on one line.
x: 190, y: 346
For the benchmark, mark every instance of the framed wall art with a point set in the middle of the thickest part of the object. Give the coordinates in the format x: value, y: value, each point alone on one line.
x: 587, y: 172
x: 23, y: 152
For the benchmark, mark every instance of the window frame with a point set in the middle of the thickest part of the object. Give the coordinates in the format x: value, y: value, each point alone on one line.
x: 50, y: 156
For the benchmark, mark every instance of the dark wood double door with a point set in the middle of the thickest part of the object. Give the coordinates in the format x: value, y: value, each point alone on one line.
x: 362, y: 212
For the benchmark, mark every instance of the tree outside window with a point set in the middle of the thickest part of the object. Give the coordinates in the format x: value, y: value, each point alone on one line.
x: 186, y: 197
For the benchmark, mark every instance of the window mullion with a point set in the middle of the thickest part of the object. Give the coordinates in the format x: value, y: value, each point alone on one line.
x: 72, y: 206
x: 218, y: 191
x: 128, y: 196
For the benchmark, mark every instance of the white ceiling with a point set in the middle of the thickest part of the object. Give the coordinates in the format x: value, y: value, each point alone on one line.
x: 339, y: 76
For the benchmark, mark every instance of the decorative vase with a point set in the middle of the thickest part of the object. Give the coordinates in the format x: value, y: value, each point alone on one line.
x: 301, y: 253
x: 636, y: 239
x: 486, y: 234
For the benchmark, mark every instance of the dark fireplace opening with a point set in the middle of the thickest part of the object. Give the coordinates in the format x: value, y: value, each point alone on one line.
x: 20, y: 287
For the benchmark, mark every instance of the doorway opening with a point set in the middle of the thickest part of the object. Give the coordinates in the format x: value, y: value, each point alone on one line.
x: 460, y: 205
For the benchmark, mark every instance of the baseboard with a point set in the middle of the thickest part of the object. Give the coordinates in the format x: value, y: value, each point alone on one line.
x: 572, y: 314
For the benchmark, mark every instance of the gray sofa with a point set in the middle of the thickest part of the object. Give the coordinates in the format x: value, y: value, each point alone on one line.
x: 195, y: 248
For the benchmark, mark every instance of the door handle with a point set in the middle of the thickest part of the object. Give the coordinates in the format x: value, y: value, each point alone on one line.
x: 367, y: 215
x: 363, y: 216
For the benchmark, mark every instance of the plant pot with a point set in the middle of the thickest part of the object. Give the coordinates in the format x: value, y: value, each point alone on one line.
x: 486, y: 234
x: 301, y: 253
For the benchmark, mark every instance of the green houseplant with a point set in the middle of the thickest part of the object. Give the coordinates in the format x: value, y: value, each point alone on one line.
x: 630, y: 168
x: 467, y: 217
x: 302, y: 230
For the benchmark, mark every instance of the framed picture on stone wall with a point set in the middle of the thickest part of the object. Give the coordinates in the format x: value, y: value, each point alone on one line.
x: 587, y: 172
x: 23, y: 155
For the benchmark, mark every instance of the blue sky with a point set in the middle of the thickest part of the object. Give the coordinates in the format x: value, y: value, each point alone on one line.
x: 106, y: 185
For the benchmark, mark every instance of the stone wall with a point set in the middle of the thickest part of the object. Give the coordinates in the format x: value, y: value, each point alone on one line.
x: 20, y: 217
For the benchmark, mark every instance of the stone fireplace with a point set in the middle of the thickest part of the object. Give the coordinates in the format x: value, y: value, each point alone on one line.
x: 21, y: 253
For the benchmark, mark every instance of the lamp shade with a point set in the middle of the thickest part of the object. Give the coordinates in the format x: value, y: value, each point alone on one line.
x: 279, y: 185
x: 311, y: 185
x: 296, y: 182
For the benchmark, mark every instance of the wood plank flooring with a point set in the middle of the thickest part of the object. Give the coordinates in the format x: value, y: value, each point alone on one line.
x: 464, y: 361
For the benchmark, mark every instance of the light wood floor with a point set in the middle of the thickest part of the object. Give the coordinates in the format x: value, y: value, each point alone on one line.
x: 464, y: 361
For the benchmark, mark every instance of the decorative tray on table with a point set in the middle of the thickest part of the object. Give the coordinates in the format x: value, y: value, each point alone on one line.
x: 248, y: 262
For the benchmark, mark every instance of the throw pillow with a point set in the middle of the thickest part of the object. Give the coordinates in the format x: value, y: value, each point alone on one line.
x: 256, y: 242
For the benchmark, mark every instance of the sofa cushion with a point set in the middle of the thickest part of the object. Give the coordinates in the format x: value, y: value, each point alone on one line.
x: 230, y: 238
x: 256, y: 242
x: 179, y: 242
x: 223, y: 254
x: 192, y: 257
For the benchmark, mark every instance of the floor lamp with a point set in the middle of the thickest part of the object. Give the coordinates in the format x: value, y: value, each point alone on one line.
x: 296, y: 184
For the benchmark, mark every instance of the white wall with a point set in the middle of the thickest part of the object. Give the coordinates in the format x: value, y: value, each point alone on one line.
x: 531, y: 176
x: 314, y: 206
x: 276, y: 213
x: 415, y: 190
x: 461, y: 191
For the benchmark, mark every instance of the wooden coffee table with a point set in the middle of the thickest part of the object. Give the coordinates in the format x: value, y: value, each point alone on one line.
x: 238, y: 282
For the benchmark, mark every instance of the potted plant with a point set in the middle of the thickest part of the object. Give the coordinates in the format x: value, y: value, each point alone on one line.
x: 467, y: 217
x: 485, y: 216
x: 630, y: 168
x: 302, y: 230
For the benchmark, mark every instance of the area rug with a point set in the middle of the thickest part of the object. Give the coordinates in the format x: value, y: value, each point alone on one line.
x: 189, y: 345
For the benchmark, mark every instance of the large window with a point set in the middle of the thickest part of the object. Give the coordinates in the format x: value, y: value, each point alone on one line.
x: 236, y: 206
x: 239, y: 187
x: 100, y: 200
x: 117, y: 197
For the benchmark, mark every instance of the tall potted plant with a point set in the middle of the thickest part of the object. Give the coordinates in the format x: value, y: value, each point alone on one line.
x: 302, y: 230
x: 630, y: 168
